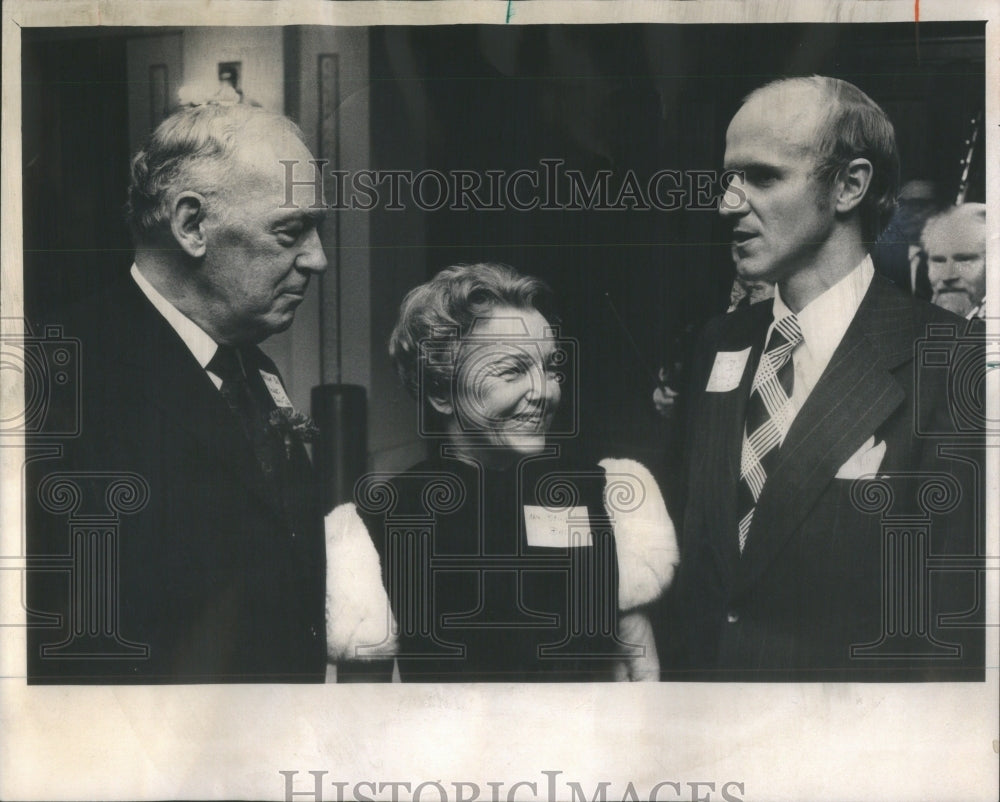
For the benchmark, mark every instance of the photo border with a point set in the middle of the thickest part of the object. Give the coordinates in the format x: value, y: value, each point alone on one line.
x: 778, y: 741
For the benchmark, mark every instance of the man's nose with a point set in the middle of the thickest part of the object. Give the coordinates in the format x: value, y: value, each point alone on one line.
x: 311, y: 257
x: 734, y: 198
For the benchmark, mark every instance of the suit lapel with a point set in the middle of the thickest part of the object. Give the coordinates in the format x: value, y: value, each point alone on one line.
x: 855, y: 394
x: 172, y: 381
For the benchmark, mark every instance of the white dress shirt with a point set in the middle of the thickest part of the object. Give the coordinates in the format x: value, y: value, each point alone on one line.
x: 201, y: 345
x: 823, y: 321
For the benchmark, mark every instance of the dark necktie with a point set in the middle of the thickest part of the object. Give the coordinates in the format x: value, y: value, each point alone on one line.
x: 769, y: 416
x: 251, y: 409
x: 921, y: 281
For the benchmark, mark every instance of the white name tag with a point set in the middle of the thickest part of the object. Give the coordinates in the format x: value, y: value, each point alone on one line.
x: 557, y: 527
x: 273, y: 384
x: 727, y: 371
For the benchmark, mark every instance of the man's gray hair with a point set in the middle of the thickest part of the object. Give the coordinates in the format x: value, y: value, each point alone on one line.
x: 194, y: 149
x: 975, y: 212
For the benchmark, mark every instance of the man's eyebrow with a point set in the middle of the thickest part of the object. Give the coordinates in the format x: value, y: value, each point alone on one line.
x: 760, y: 167
x: 750, y: 166
x: 302, y: 215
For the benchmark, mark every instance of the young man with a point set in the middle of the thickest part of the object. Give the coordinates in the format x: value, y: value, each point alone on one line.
x: 789, y: 565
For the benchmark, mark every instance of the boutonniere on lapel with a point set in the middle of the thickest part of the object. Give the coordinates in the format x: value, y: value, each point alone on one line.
x: 292, y: 425
x: 287, y: 421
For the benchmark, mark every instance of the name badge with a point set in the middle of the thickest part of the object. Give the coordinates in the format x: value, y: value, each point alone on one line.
x: 727, y: 371
x: 273, y: 384
x: 557, y: 527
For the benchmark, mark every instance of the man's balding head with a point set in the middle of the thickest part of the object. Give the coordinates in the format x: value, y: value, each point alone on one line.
x: 850, y: 126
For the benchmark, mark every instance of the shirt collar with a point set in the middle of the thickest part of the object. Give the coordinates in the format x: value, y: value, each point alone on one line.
x: 201, y: 345
x: 825, y: 319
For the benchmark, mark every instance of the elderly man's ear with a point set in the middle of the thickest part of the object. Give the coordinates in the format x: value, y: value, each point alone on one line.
x: 187, y: 220
x: 441, y: 404
x: 853, y: 184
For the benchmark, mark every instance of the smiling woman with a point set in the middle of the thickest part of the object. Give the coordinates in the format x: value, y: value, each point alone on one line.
x: 475, y: 348
x: 496, y: 559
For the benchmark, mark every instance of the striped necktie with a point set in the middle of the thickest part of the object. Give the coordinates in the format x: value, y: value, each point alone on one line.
x: 769, y: 416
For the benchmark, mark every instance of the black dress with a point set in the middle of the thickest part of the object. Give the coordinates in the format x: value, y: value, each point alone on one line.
x: 494, y: 575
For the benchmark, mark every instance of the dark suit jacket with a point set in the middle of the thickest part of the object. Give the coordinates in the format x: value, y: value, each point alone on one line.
x: 820, y: 590
x: 156, y: 552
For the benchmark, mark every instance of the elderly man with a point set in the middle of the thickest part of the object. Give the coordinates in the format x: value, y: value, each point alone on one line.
x: 204, y: 560
x: 795, y: 401
x: 955, y: 244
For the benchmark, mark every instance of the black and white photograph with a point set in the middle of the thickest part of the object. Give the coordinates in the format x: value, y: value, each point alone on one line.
x: 499, y: 400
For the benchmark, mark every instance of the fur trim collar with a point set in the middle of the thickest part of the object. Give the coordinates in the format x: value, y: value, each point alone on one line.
x: 359, y: 621
x: 644, y: 534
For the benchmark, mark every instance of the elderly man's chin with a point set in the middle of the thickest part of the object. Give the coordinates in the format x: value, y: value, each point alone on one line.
x: 527, y: 443
x: 277, y: 322
x: 957, y: 302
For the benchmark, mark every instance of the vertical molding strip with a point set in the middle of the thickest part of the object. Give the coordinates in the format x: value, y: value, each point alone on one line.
x: 328, y: 140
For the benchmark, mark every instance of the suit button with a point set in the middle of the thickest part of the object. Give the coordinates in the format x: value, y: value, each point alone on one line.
x: 732, y: 617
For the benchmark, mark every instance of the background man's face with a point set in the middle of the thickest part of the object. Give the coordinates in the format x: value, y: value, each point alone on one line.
x: 956, y: 262
x: 781, y: 214
x: 259, y: 256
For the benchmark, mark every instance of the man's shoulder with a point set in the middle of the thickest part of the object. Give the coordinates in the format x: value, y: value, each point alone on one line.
x: 735, y: 328
x: 105, y: 312
x: 884, y: 296
x: 892, y: 316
